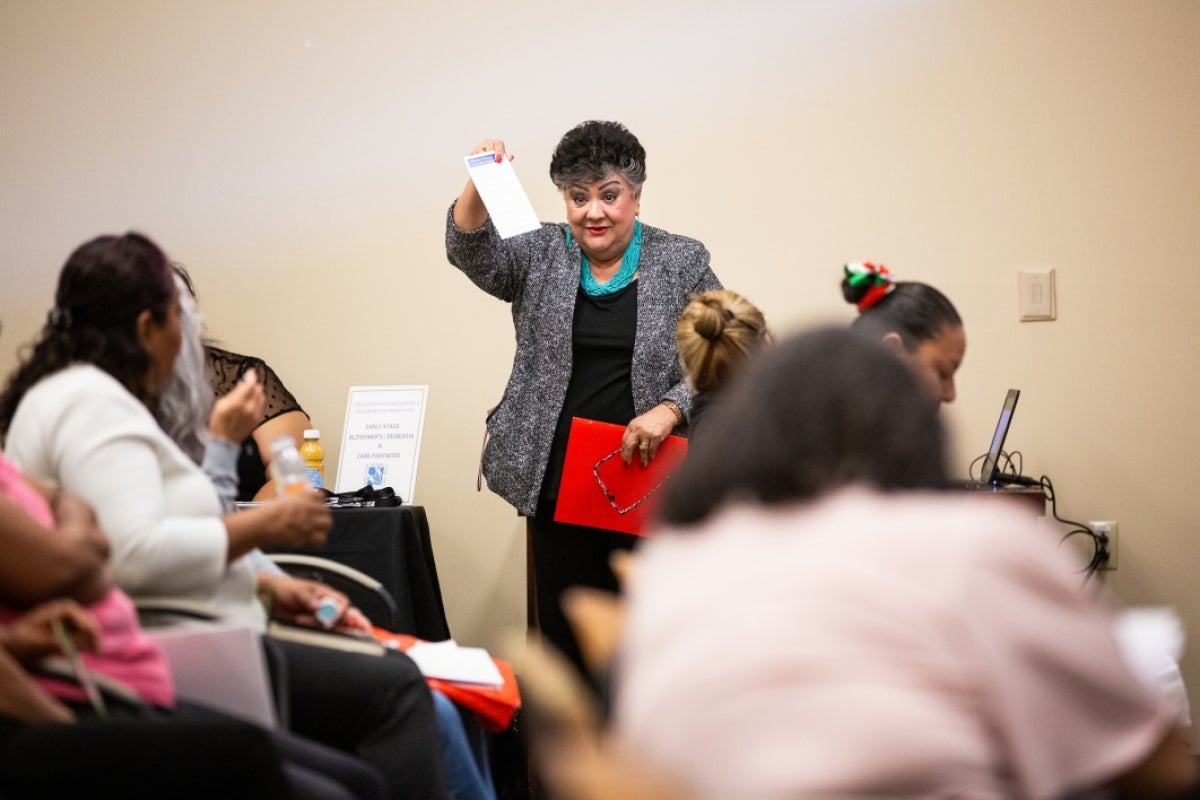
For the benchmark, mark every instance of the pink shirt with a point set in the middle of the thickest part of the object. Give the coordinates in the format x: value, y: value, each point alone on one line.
x: 871, y: 645
x: 126, y: 653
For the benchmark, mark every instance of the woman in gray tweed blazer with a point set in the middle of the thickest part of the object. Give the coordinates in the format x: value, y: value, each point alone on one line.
x: 595, y: 303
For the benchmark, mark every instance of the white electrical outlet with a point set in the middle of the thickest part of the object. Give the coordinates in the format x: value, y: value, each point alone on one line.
x: 1109, y: 529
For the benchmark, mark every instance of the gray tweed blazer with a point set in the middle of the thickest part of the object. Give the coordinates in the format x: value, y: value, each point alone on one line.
x: 539, y: 275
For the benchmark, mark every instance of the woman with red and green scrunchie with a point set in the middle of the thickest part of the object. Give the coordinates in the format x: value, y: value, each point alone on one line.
x: 915, y: 319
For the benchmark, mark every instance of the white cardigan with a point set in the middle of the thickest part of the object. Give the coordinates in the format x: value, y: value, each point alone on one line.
x: 80, y: 430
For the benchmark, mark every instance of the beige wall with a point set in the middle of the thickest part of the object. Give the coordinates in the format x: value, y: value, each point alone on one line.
x: 299, y: 157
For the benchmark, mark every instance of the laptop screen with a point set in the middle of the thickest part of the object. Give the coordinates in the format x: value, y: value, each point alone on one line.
x: 991, y: 462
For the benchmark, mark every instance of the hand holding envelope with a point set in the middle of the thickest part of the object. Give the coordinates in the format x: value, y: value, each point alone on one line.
x: 491, y: 170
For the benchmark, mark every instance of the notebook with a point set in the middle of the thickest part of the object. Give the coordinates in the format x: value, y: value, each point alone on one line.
x: 991, y: 471
x: 220, y: 665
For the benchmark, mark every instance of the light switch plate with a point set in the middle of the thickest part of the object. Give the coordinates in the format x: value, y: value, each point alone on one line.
x: 1036, y: 294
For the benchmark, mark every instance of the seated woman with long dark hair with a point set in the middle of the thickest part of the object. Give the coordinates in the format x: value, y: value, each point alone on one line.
x: 78, y: 414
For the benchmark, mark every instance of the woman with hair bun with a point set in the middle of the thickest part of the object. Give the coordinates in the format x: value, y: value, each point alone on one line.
x: 718, y: 332
x: 914, y: 319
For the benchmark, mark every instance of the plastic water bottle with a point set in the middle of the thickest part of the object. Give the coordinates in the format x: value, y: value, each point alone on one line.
x: 287, y: 467
x: 327, y: 612
x: 314, y: 457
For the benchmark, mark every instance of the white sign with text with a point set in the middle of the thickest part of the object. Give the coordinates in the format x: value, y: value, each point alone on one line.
x: 382, y: 438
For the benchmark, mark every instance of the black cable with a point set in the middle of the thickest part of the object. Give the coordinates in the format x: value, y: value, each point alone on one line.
x: 1010, y: 471
x: 1009, y: 468
x: 1100, y: 553
x: 971, y: 468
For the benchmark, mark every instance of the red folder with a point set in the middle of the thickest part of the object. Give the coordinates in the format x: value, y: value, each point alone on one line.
x: 593, y: 465
x: 494, y: 707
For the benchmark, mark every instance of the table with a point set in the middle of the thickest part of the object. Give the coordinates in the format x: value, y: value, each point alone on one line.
x: 1031, y: 499
x: 393, y: 546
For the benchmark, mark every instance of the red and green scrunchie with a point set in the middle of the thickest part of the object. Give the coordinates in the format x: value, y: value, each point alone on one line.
x: 875, y: 277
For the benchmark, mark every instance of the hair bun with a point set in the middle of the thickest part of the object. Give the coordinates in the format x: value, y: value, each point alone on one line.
x: 865, y: 283
x: 711, y: 323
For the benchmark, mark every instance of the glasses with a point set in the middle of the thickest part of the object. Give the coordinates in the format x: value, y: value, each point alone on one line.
x: 613, y: 500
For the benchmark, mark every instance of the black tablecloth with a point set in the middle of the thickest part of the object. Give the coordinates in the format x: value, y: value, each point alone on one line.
x: 393, y: 546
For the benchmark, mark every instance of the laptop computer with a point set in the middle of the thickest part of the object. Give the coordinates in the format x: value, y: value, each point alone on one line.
x: 990, y: 473
x: 990, y: 470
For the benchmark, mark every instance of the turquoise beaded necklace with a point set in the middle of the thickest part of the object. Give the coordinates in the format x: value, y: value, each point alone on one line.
x: 624, y: 276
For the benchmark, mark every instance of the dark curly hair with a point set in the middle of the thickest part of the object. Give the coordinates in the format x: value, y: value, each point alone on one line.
x: 916, y: 311
x: 103, y: 287
x: 592, y: 150
x: 819, y: 411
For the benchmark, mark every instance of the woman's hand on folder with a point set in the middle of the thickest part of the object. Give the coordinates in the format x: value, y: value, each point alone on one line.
x: 645, y: 433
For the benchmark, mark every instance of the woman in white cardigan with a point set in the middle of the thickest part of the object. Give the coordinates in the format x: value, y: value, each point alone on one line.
x: 78, y: 414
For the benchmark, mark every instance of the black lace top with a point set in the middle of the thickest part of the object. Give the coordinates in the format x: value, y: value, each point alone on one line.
x: 225, y: 369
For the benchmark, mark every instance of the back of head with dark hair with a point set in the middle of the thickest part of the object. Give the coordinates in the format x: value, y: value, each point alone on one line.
x: 102, y: 289
x: 820, y: 411
x: 592, y: 150
x: 916, y: 311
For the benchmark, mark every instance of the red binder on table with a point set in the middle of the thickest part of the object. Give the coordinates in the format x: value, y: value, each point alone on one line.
x: 599, y: 491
